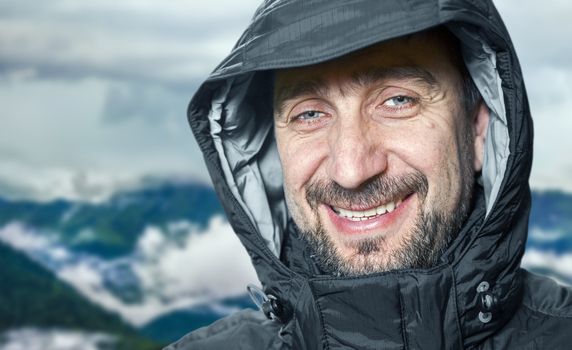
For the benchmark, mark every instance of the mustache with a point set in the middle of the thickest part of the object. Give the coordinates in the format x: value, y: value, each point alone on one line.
x: 373, y: 192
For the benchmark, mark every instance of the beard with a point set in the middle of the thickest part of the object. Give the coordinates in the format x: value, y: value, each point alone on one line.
x: 421, y: 247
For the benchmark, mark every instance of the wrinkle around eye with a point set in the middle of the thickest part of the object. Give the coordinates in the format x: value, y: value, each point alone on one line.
x: 408, y: 99
x: 391, y: 110
x: 308, y: 112
x: 307, y: 124
x: 308, y: 115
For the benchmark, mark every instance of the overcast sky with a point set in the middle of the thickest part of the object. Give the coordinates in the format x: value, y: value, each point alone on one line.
x: 93, y: 94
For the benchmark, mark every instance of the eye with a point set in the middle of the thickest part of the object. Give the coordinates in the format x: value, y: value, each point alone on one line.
x: 398, y: 101
x: 308, y: 116
x: 398, y: 105
x: 308, y: 120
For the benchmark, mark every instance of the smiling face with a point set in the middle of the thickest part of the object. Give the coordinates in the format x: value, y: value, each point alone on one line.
x: 378, y: 154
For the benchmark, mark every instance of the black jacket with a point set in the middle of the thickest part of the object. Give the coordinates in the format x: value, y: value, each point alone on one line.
x: 476, y: 297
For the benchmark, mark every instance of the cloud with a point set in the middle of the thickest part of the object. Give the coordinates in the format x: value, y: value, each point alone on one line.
x: 19, y: 182
x: 52, y: 129
x: 212, y: 262
x: 538, y: 234
x: 174, y: 274
x: 100, y: 89
x: 537, y: 31
x: 551, y: 103
x: 152, y: 104
x: 21, y: 238
x: 176, y: 269
x: 168, y: 44
x: 54, y: 339
x: 561, y: 264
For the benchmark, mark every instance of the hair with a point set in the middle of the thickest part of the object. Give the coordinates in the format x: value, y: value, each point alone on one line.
x: 470, y: 95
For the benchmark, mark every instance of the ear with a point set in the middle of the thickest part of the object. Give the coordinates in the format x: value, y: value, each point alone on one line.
x: 480, y: 125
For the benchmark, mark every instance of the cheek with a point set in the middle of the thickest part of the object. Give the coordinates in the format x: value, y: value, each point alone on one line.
x: 419, y: 148
x: 431, y: 148
x: 301, y: 159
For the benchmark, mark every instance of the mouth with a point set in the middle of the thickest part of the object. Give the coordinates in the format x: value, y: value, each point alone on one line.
x: 367, y: 214
x: 382, y: 219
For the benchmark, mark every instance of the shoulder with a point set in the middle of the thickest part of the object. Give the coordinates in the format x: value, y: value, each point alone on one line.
x: 544, y: 296
x: 246, y: 329
x: 543, y: 321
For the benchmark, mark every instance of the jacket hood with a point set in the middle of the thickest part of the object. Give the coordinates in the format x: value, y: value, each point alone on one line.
x: 231, y: 117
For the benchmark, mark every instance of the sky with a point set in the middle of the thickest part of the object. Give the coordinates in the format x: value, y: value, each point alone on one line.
x: 93, y: 95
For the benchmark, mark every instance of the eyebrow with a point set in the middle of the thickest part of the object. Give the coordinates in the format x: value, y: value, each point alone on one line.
x: 362, y: 78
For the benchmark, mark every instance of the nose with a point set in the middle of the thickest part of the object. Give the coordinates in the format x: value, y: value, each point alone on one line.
x: 356, y: 152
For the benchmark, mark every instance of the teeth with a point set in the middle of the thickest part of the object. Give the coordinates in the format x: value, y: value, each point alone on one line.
x: 390, y: 207
x: 358, y: 215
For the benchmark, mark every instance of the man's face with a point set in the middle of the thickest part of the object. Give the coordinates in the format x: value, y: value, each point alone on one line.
x: 378, y: 154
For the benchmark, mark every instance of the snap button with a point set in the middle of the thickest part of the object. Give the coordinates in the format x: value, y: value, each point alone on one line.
x: 485, y: 317
x: 483, y: 287
x: 268, y: 304
x: 487, y: 302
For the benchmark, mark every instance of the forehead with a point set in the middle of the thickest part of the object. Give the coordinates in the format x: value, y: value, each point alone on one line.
x: 430, y: 56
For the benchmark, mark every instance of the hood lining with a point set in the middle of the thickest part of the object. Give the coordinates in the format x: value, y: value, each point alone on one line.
x: 242, y: 132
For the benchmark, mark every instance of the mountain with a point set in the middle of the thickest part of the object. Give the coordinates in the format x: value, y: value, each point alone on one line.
x: 549, y: 244
x: 140, y: 254
x: 551, y: 221
x: 31, y: 296
x: 173, y: 325
x: 118, y: 222
x: 552, y: 209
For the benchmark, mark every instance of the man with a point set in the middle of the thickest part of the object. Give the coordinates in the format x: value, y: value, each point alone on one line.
x: 373, y: 158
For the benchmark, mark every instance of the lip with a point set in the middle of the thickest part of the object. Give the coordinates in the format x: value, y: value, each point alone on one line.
x: 381, y: 224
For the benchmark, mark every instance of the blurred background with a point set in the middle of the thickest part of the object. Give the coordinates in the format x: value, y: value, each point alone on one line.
x: 110, y: 233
